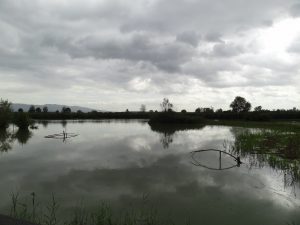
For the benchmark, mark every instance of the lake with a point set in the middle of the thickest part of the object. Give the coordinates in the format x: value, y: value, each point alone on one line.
x: 128, y: 164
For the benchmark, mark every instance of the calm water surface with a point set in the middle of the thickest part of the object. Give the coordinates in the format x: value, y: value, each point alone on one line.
x: 121, y: 161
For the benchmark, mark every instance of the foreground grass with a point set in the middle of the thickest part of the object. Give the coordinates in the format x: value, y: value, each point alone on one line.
x: 30, y: 210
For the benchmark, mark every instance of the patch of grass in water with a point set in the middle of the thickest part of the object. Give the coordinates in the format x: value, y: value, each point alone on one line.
x: 279, y: 150
x: 284, y: 144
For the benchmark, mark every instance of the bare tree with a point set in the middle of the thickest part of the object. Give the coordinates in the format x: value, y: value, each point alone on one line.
x: 166, y: 105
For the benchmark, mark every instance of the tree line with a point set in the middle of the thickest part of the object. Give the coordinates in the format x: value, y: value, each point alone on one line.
x: 240, y: 109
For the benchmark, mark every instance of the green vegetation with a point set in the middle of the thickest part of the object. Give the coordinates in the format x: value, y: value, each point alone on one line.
x: 240, y: 104
x: 279, y: 149
x: 283, y: 144
x: 30, y: 209
x: 5, y: 113
x: 175, y: 118
x: 240, y: 112
x: 21, y: 120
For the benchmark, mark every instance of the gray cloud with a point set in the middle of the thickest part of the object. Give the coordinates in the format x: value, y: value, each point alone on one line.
x: 226, y: 50
x: 148, y: 48
x: 189, y: 37
x: 295, y: 10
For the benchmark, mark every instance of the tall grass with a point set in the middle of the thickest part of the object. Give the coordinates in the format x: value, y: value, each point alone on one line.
x: 29, y: 209
x: 277, y: 149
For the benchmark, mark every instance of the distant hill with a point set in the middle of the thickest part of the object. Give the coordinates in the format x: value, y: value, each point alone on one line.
x: 52, y: 107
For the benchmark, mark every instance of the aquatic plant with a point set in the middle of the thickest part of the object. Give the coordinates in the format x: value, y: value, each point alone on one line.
x: 280, y: 150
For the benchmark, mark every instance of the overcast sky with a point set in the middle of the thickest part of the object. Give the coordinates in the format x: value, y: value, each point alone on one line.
x: 118, y: 54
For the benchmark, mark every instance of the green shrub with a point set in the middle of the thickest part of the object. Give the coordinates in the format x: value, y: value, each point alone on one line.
x: 5, y: 113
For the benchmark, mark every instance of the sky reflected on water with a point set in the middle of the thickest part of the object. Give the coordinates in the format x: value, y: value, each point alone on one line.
x: 119, y: 161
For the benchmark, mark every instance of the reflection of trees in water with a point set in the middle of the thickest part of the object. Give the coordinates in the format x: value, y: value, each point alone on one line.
x: 167, y: 131
x: 45, y: 123
x: 166, y: 139
x: 6, y: 140
x: 64, y: 123
x: 23, y: 136
x: 261, y: 149
x: 8, y: 137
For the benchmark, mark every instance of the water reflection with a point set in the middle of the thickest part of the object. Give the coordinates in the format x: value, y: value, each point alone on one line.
x: 6, y: 140
x: 167, y: 131
x: 64, y: 123
x: 8, y: 137
x: 118, y: 162
x: 45, y: 123
x: 23, y: 136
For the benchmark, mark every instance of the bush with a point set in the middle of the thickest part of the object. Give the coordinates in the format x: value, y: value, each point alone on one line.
x: 172, y: 117
x: 21, y: 120
x: 5, y: 113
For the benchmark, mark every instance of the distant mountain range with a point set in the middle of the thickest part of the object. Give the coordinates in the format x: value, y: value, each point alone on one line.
x: 52, y: 107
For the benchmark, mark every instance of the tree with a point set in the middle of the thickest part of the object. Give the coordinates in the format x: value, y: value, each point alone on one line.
x: 204, y: 110
x: 5, y: 113
x: 38, y: 110
x: 45, y: 109
x: 183, y: 111
x: 240, y: 104
x: 143, y: 108
x: 66, y: 109
x: 257, y: 108
x: 166, y: 105
x: 31, y: 109
x: 20, y: 110
x: 21, y: 120
x: 219, y: 110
